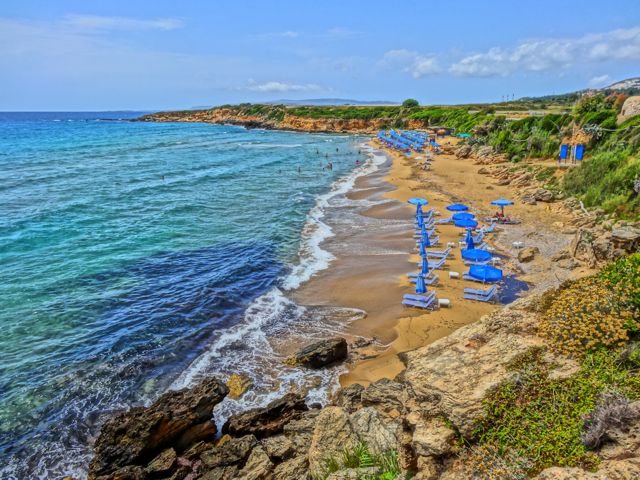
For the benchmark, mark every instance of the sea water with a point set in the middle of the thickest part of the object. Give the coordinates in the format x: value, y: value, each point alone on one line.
x: 138, y: 257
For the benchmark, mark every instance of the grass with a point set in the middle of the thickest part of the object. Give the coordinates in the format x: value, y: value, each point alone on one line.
x: 359, y: 456
x: 541, y: 420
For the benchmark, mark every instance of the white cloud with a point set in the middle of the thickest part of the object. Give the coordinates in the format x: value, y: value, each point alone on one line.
x: 547, y: 54
x: 417, y: 64
x: 600, y: 81
x: 269, y: 87
x: 101, y: 23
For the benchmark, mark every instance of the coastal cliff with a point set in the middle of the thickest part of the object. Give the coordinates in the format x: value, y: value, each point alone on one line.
x: 509, y: 396
x: 338, y: 120
x: 284, y: 122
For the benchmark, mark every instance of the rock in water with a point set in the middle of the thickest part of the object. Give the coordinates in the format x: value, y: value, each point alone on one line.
x: 177, y: 419
x: 323, y: 353
x: 267, y: 421
x: 238, y: 385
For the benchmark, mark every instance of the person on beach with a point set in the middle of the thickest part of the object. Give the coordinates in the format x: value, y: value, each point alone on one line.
x: 357, y: 163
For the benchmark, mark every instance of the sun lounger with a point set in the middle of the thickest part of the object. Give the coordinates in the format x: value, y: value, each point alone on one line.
x: 478, y: 238
x: 439, y: 253
x: 419, y: 301
x: 418, y: 233
x: 438, y: 264
x: 480, y: 295
x: 503, y: 221
x: 476, y: 262
x: 430, y: 279
x: 488, y: 229
x: 445, y: 220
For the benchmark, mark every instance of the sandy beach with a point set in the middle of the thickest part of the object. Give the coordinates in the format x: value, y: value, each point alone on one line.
x: 373, y: 257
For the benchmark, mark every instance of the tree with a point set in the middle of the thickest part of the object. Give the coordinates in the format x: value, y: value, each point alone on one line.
x: 410, y: 103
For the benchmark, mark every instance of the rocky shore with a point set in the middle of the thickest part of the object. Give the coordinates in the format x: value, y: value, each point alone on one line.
x: 428, y: 415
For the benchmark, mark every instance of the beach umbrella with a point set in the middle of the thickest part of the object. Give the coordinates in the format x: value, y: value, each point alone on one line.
x: 476, y: 255
x: 420, y: 285
x: 457, y: 207
x: 469, y: 239
x: 502, y: 202
x: 466, y: 223
x: 485, y: 273
x: 423, y: 252
x: 425, y: 266
x: 463, y: 216
x: 419, y: 218
x: 418, y: 202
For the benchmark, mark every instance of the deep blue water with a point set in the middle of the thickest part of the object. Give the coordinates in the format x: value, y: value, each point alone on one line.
x: 126, y: 249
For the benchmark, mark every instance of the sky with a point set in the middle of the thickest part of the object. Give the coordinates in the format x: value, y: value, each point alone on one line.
x: 79, y: 55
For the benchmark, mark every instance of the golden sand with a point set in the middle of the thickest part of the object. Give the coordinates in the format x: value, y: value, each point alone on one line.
x: 376, y: 283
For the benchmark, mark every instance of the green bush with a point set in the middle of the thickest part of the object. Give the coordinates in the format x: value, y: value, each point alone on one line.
x: 410, y: 103
x: 359, y: 456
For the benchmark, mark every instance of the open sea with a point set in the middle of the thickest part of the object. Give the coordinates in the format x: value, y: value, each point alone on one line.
x: 138, y: 257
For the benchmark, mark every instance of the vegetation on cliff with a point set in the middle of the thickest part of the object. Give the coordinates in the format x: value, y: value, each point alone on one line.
x: 538, y: 419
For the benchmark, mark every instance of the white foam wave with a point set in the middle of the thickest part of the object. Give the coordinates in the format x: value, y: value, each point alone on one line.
x: 267, y: 309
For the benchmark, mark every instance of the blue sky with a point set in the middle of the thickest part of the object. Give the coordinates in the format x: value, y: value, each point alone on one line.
x: 147, y: 55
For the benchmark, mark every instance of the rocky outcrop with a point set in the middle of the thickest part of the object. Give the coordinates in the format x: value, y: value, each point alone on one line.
x: 267, y: 421
x: 321, y: 354
x: 527, y: 254
x: 452, y: 376
x: 178, y: 419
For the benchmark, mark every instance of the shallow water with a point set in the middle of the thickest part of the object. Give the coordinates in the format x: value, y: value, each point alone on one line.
x: 136, y: 257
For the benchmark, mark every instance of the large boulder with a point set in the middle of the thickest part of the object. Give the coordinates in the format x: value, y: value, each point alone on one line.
x: 333, y: 433
x: 177, y: 419
x: 527, y: 254
x: 453, y: 375
x: 322, y: 353
x: 626, y: 238
x: 378, y: 433
x: 269, y: 420
x: 386, y: 395
x: 300, y: 431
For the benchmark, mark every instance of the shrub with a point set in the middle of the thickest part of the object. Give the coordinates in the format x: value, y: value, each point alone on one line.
x: 410, y: 103
x: 584, y: 317
x: 612, y: 411
x: 359, y: 456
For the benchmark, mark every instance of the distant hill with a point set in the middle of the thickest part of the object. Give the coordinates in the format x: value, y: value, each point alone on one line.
x: 628, y: 84
x: 331, y: 101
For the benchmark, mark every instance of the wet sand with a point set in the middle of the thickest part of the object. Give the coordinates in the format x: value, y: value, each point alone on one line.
x: 375, y: 249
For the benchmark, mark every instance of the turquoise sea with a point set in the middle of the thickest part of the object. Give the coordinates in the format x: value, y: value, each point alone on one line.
x: 135, y: 257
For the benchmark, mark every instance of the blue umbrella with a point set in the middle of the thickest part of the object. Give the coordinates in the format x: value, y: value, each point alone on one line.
x: 476, y: 255
x: 502, y: 202
x: 419, y: 218
x: 463, y: 216
x: 425, y: 266
x: 423, y: 252
x: 457, y: 207
x: 420, y: 285
x: 418, y: 202
x: 466, y: 223
x: 469, y: 239
x: 485, y: 273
